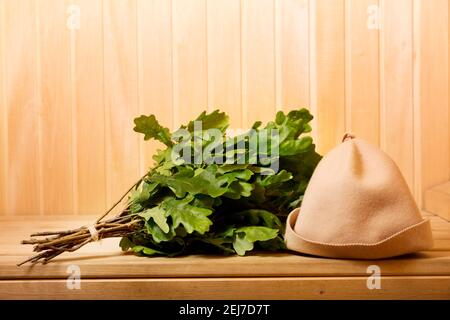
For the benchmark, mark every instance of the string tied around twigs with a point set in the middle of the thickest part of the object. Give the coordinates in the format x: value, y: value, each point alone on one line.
x: 93, y: 232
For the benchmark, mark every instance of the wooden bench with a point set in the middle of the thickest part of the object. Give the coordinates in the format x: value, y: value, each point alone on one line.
x: 107, y: 273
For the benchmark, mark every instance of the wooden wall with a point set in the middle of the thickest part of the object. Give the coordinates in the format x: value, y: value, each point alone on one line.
x: 74, y: 74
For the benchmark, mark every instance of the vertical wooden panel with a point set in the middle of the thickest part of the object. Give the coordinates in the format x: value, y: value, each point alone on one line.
x: 397, y: 85
x: 22, y: 100
x: 87, y: 46
x: 190, y: 96
x: 224, y: 54
x: 433, y: 85
x: 57, y: 108
x: 417, y: 136
x: 362, y: 69
x: 258, y: 61
x: 292, y: 53
x: 247, y: 57
x: 121, y: 96
x: 3, y: 115
x: 328, y: 72
x: 155, y: 68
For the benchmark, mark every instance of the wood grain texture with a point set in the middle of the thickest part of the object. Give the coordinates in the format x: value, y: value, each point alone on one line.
x: 417, y: 105
x: 155, y: 68
x: 58, y: 111
x: 104, y: 259
x: 108, y: 273
x: 224, y: 58
x: 190, y: 92
x: 258, y: 61
x: 23, y: 107
x: 397, y: 108
x: 292, y: 54
x: 233, y: 289
x: 437, y: 200
x: 328, y: 72
x: 433, y: 92
x: 362, y: 69
x: 101, y: 263
x: 121, y: 96
x: 3, y: 117
x: 68, y: 97
x: 87, y: 76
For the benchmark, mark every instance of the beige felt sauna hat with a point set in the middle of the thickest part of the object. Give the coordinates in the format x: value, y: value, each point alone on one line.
x: 357, y: 205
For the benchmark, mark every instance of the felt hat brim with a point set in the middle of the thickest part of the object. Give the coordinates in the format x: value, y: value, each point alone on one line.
x: 414, y: 238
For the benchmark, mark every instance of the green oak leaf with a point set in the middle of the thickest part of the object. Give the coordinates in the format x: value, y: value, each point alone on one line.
x: 146, y: 250
x: 241, y: 245
x: 192, y: 218
x: 200, y: 181
x: 295, y: 147
x: 157, y: 233
x: 159, y: 217
x: 126, y: 244
x: 150, y: 127
x: 280, y: 177
x: 238, y: 189
x: 143, y: 192
x: 247, y: 236
x: 214, y: 120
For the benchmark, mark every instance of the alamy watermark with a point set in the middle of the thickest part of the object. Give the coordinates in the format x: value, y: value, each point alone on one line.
x: 73, y: 281
x: 374, y: 280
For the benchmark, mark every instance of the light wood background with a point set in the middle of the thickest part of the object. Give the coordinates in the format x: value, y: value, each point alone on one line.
x: 74, y: 74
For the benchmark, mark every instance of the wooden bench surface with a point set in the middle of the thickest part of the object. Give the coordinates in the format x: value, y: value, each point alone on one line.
x: 107, y: 273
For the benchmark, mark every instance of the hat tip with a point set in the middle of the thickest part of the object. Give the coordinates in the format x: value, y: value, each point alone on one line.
x: 348, y: 136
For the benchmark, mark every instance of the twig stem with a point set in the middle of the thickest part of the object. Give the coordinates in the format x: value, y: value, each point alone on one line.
x: 122, y: 197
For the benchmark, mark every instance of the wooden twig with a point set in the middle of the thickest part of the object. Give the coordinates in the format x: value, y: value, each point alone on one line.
x: 55, y: 243
x: 122, y: 197
x: 72, y: 240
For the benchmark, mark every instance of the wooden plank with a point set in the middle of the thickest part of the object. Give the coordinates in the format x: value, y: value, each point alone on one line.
x: 432, y: 84
x: 292, y: 54
x: 241, y: 288
x: 328, y: 72
x: 417, y: 105
x: 362, y: 69
x: 437, y: 200
x: 258, y: 61
x: 3, y: 117
x: 445, y: 187
x: 224, y: 58
x: 190, y: 92
x: 121, y: 96
x: 22, y: 99
x: 104, y: 260
x: 439, y: 224
x: 57, y: 109
x: 87, y: 73
x: 441, y: 245
x: 38, y: 219
x: 397, y: 107
x: 155, y: 68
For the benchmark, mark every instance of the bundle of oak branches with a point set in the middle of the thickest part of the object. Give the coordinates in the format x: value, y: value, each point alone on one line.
x: 208, y: 191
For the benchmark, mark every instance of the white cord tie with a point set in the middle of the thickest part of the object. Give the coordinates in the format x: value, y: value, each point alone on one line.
x: 93, y: 232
